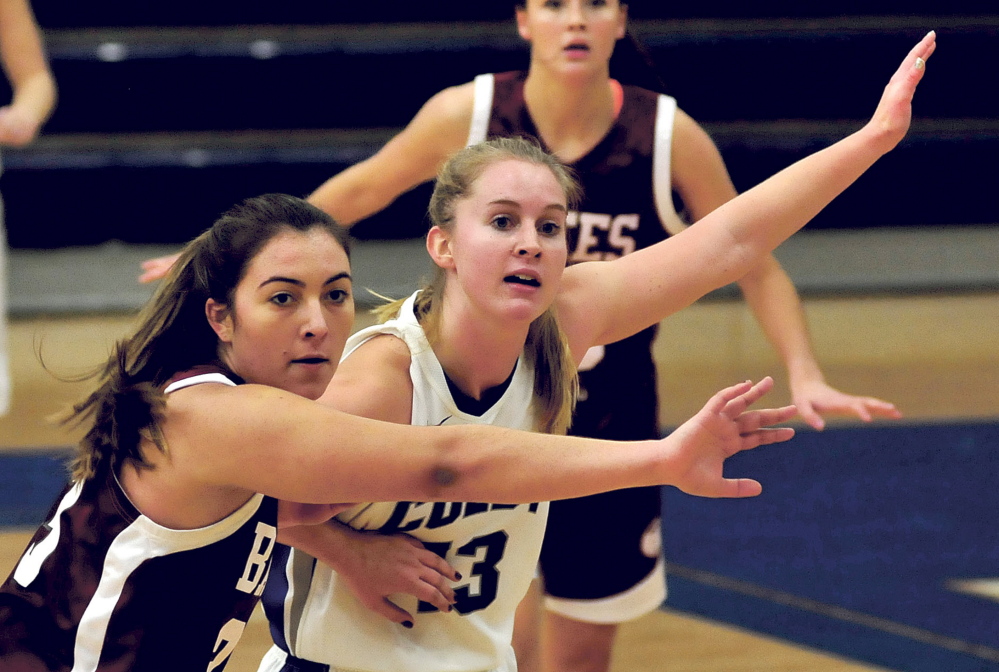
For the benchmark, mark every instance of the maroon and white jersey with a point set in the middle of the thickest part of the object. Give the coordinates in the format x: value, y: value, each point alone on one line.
x: 627, y: 195
x: 627, y: 205
x: 103, y: 587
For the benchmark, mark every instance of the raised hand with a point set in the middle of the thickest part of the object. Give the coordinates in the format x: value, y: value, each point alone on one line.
x: 157, y: 267
x: 17, y: 128
x: 894, y: 113
x: 719, y: 430
x: 816, y: 398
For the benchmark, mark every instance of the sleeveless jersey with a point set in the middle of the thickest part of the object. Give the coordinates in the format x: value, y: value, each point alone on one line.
x: 103, y: 587
x: 493, y: 546
x: 627, y: 205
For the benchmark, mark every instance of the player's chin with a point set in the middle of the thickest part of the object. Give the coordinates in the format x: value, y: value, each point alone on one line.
x: 312, y: 383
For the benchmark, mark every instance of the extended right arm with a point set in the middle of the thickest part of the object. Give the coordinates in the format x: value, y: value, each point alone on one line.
x: 271, y: 441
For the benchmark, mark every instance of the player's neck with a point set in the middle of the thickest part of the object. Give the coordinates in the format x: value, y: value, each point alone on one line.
x: 572, y: 114
x: 478, y: 353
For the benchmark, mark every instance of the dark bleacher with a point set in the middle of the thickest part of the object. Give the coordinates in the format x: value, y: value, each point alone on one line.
x: 171, y: 112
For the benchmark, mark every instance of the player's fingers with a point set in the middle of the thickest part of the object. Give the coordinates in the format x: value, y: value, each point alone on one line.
x: 881, y: 408
x: 441, y: 566
x: 764, y: 437
x: 810, y: 416
x: 913, y: 65
x: 751, y: 421
x: 440, y: 584
x: 734, y: 400
x: 720, y: 400
x: 926, y: 46
x: 738, y: 487
x: 391, y: 611
x: 860, y: 410
x: 740, y: 403
x: 435, y: 593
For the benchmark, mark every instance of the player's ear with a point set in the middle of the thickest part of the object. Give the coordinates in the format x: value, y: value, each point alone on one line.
x: 439, y: 247
x: 522, y: 27
x: 219, y: 319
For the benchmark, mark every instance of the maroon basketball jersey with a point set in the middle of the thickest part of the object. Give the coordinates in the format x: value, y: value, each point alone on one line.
x: 627, y: 205
x: 102, y: 587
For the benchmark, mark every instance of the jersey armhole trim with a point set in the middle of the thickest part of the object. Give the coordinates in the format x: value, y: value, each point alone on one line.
x: 197, y: 380
x: 662, y: 180
x: 482, y: 108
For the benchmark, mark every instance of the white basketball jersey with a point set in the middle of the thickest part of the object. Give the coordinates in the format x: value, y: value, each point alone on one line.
x: 494, y: 547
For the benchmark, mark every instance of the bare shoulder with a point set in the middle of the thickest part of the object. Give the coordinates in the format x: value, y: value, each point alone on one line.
x: 189, y: 402
x: 374, y: 381
x: 688, y: 134
x: 439, y: 129
x: 453, y: 104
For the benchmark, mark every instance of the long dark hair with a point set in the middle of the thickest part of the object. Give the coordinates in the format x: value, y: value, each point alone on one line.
x: 173, y: 333
x: 632, y: 63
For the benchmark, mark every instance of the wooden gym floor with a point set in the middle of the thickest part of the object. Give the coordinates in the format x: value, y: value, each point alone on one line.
x: 934, y: 355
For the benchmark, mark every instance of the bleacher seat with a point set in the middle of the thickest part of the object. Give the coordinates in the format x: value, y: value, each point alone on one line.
x: 170, y: 112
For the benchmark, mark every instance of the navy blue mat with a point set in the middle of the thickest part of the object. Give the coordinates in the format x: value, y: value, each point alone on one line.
x: 29, y: 483
x: 851, y: 548
x: 853, y: 545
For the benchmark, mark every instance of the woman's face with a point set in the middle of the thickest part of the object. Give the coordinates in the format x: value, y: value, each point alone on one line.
x: 507, y: 250
x: 571, y: 35
x: 292, y: 313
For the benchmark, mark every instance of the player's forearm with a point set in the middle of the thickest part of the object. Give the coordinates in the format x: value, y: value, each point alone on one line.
x: 513, y: 468
x: 766, y: 215
x: 334, y: 198
x: 327, y: 542
x: 774, y: 302
x: 36, y: 96
x: 355, y: 193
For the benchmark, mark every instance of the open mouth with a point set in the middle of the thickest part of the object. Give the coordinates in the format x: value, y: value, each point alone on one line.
x: 577, y: 48
x: 522, y: 280
x: 310, y: 360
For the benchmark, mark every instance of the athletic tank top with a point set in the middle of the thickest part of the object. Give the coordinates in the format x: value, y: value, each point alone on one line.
x: 102, y: 587
x: 494, y: 547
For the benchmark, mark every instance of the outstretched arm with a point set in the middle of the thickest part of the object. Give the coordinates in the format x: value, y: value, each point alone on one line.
x: 27, y: 68
x: 271, y: 441
x: 640, y: 289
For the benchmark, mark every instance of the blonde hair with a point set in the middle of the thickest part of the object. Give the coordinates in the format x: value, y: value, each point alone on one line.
x: 547, y: 348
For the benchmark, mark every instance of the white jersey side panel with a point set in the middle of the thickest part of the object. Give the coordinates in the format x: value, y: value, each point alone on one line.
x: 494, y: 547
